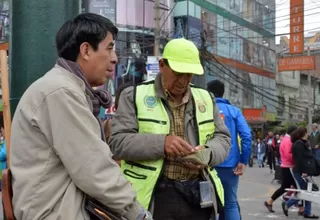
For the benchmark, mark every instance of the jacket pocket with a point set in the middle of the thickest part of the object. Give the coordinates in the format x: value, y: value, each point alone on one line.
x: 141, y: 165
x: 134, y: 175
x: 206, y: 121
x: 152, y: 120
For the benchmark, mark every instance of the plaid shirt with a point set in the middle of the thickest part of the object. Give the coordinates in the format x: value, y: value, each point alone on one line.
x: 174, y: 169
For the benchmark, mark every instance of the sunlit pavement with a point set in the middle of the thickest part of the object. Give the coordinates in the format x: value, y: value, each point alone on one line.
x: 255, y: 187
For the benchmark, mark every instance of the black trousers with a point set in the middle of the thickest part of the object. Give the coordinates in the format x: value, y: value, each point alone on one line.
x: 272, y: 160
x: 170, y: 205
x: 286, y: 182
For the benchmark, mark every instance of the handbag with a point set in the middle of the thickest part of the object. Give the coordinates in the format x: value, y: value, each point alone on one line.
x: 98, y: 211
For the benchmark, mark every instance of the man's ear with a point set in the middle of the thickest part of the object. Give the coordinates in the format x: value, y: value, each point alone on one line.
x: 161, y: 63
x: 84, y: 51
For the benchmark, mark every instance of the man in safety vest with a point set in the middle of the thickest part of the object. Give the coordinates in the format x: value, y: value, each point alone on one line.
x: 230, y: 170
x: 168, y: 134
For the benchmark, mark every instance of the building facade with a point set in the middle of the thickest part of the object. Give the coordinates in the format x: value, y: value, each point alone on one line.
x: 292, y: 86
x: 239, y: 34
x: 240, y: 37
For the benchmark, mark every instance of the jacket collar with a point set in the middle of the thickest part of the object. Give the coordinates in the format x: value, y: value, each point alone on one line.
x: 158, y: 87
x: 222, y: 100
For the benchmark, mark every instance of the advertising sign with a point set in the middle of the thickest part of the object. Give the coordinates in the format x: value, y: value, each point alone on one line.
x: 106, y: 8
x: 296, y: 63
x: 152, y: 67
x: 255, y: 114
x: 296, y: 26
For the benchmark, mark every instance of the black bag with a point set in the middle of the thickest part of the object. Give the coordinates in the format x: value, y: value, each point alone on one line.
x: 98, y: 211
x: 190, y: 191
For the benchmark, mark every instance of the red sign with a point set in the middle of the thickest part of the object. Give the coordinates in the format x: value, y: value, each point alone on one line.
x: 255, y: 114
x: 296, y: 26
x: 296, y: 63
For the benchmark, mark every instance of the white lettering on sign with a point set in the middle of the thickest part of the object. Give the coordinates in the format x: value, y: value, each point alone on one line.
x: 296, y: 48
x: 296, y: 29
x: 296, y: 20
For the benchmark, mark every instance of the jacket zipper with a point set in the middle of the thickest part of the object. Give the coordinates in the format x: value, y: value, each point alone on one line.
x: 141, y: 165
x: 206, y: 121
x: 152, y: 120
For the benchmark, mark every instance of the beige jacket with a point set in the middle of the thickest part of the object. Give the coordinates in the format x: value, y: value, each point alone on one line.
x: 57, y: 154
x: 126, y: 143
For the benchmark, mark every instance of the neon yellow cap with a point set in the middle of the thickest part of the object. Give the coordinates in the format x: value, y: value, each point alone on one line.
x: 183, y: 56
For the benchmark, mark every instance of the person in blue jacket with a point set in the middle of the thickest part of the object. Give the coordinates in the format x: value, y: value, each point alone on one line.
x: 233, y: 167
x: 3, y: 158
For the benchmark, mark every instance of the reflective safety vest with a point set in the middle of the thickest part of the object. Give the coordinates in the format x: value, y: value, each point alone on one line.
x: 153, y: 119
x: 239, y: 144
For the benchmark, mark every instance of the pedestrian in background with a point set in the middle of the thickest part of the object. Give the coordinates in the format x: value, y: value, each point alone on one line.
x: 3, y: 154
x: 304, y: 166
x: 286, y: 176
x: 314, y: 140
x: 234, y: 166
x: 271, y: 149
x: 260, y: 149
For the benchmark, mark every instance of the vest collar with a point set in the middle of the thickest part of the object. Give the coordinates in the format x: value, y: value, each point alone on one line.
x: 158, y: 87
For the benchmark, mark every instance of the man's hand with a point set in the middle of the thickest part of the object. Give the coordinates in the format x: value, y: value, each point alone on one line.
x: 175, y: 146
x: 193, y: 166
x: 238, y: 171
x: 316, y: 147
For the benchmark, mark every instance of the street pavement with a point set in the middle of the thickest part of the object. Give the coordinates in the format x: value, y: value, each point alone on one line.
x: 256, y: 187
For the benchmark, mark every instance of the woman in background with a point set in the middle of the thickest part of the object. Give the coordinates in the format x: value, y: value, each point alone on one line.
x: 287, y: 163
x: 304, y: 166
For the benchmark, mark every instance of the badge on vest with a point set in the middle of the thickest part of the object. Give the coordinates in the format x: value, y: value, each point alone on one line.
x: 150, y: 101
x: 201, y: 106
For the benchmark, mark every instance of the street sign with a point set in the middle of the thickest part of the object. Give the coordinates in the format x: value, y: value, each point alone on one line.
x: 152, y: 67
x: 296, y: 63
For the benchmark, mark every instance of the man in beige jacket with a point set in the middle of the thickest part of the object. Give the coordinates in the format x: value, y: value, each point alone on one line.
x: 58, y: 152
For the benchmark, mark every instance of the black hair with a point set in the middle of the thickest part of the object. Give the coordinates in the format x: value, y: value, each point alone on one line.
x: 216, y: 87
x: 291, y: 129
x: 118, y: 93
x: 86, y: 27
x: 298, y: 134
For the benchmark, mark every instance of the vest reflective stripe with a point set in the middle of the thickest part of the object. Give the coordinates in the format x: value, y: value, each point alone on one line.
x: 239, y: 144
x: 153, y: 119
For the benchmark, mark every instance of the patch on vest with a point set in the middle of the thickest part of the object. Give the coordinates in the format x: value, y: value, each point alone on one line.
x: 201, y: 106
x: 150, y: 101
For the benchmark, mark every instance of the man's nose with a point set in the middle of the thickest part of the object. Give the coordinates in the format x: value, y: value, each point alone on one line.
x: 114, y: 58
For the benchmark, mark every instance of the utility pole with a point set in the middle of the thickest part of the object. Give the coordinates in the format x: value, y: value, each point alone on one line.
x: 309, y: 98
x: 157, y: 27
